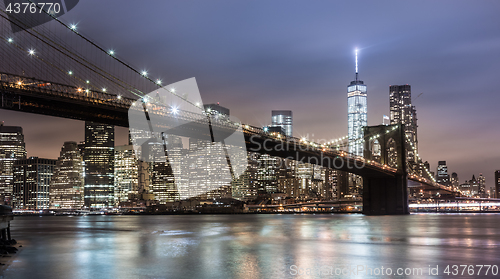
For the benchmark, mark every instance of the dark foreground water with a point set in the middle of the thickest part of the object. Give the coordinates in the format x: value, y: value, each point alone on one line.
x: 256, y: 246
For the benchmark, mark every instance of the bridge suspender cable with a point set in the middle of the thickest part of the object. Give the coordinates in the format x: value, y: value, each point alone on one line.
x: 113, y: 57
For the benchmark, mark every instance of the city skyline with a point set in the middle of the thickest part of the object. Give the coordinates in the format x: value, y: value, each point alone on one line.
x: 447, y: 64
x: 260, y: 139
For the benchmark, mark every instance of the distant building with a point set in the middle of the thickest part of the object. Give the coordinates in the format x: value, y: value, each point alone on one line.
x: 126, y: 172
x: 267, y: 173
x: 12, y: 148
x: 474, y: 186
x: 98, y: 156
x: 403, y: 112
x: 209, y: 173
x: 283, y: 119
x: 288, y: 183
x: 442, y: 174
x: 454, y: 181
x: 244, y: 188
x: 497, y: 184
x: 163, y: 184
x: 32, y: 183
x: 427, y: 165
x: 340, y: 178
x: 466, y: 189
x: 274, y: 130
x: 481, y: 180
x: 66, y: 185
x: 304, y: 173
x: 216, y: 108
x: 490, y: 193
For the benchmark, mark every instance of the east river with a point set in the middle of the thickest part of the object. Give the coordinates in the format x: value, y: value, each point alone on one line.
x: 256, y: 246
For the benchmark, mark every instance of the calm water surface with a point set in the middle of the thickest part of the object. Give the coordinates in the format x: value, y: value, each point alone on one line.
x: 250, y: 246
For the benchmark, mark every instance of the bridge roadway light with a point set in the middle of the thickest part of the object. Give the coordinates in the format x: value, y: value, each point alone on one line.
x: 72, y: 27
x: 158, y: 81
x: 10, y: 40
x: 31, y: 52
x: 119, y: 97
x: 70, y: 72
x: 111, y: 52
x: 175, y: 110
x: 144, y: 73
x: 104, y: 90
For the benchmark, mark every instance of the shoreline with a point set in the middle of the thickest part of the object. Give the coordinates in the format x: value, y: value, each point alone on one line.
x: 7, y: 260
x: 258, y: 213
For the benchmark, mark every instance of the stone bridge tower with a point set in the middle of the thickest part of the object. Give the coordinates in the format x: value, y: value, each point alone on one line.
x: 386, y: 195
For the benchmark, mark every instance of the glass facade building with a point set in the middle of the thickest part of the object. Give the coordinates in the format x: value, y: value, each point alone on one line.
x: 98, y: 156
x: 32, y: 178
x: 497, y: 184
x: 126, y: 173
x: 163, y: 180
x: 283, y: 119
x: 402, y: 111
x: 442, y: 174
x: 357, y: 110
x: 12, y: 148
x: 66, y: 186
x: 482, y: 185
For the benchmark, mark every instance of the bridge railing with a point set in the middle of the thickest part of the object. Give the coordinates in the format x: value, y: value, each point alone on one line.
x: 307, y: 145
x: 55, y: 89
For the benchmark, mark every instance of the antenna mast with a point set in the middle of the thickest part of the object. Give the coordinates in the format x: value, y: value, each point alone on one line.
x: 356, y: 51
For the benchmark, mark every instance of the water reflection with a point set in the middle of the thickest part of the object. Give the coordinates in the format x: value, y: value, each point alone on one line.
x: 246, y: 246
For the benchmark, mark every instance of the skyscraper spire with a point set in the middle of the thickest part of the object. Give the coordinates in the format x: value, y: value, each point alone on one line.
x: 356, y: 51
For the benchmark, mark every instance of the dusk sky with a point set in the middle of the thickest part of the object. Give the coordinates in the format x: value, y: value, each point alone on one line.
x: 258, y: 56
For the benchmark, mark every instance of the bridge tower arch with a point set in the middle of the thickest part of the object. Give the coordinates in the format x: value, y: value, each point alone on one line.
x: 386, y: 195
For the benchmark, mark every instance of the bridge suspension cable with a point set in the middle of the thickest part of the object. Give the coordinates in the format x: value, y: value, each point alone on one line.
x: 63, y: 47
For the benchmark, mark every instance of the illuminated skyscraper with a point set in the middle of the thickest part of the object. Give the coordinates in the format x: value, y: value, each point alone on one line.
x: 126, y: 169
x: 474, y: 186
x: 442, y: 174
x: 98, y: 156
x: 283, y: 119
x: 163, y: 183
x: 11, y: 148
x: 497, y: 184
x: 356, y: 113
x: 357, y: 109
x: 482, y: 185
x: 454, y: 181
x: 66, y: 186
x: 403, y: 112
x: 267, y: 174
x: 32, y: 182
x: 207, y: 173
